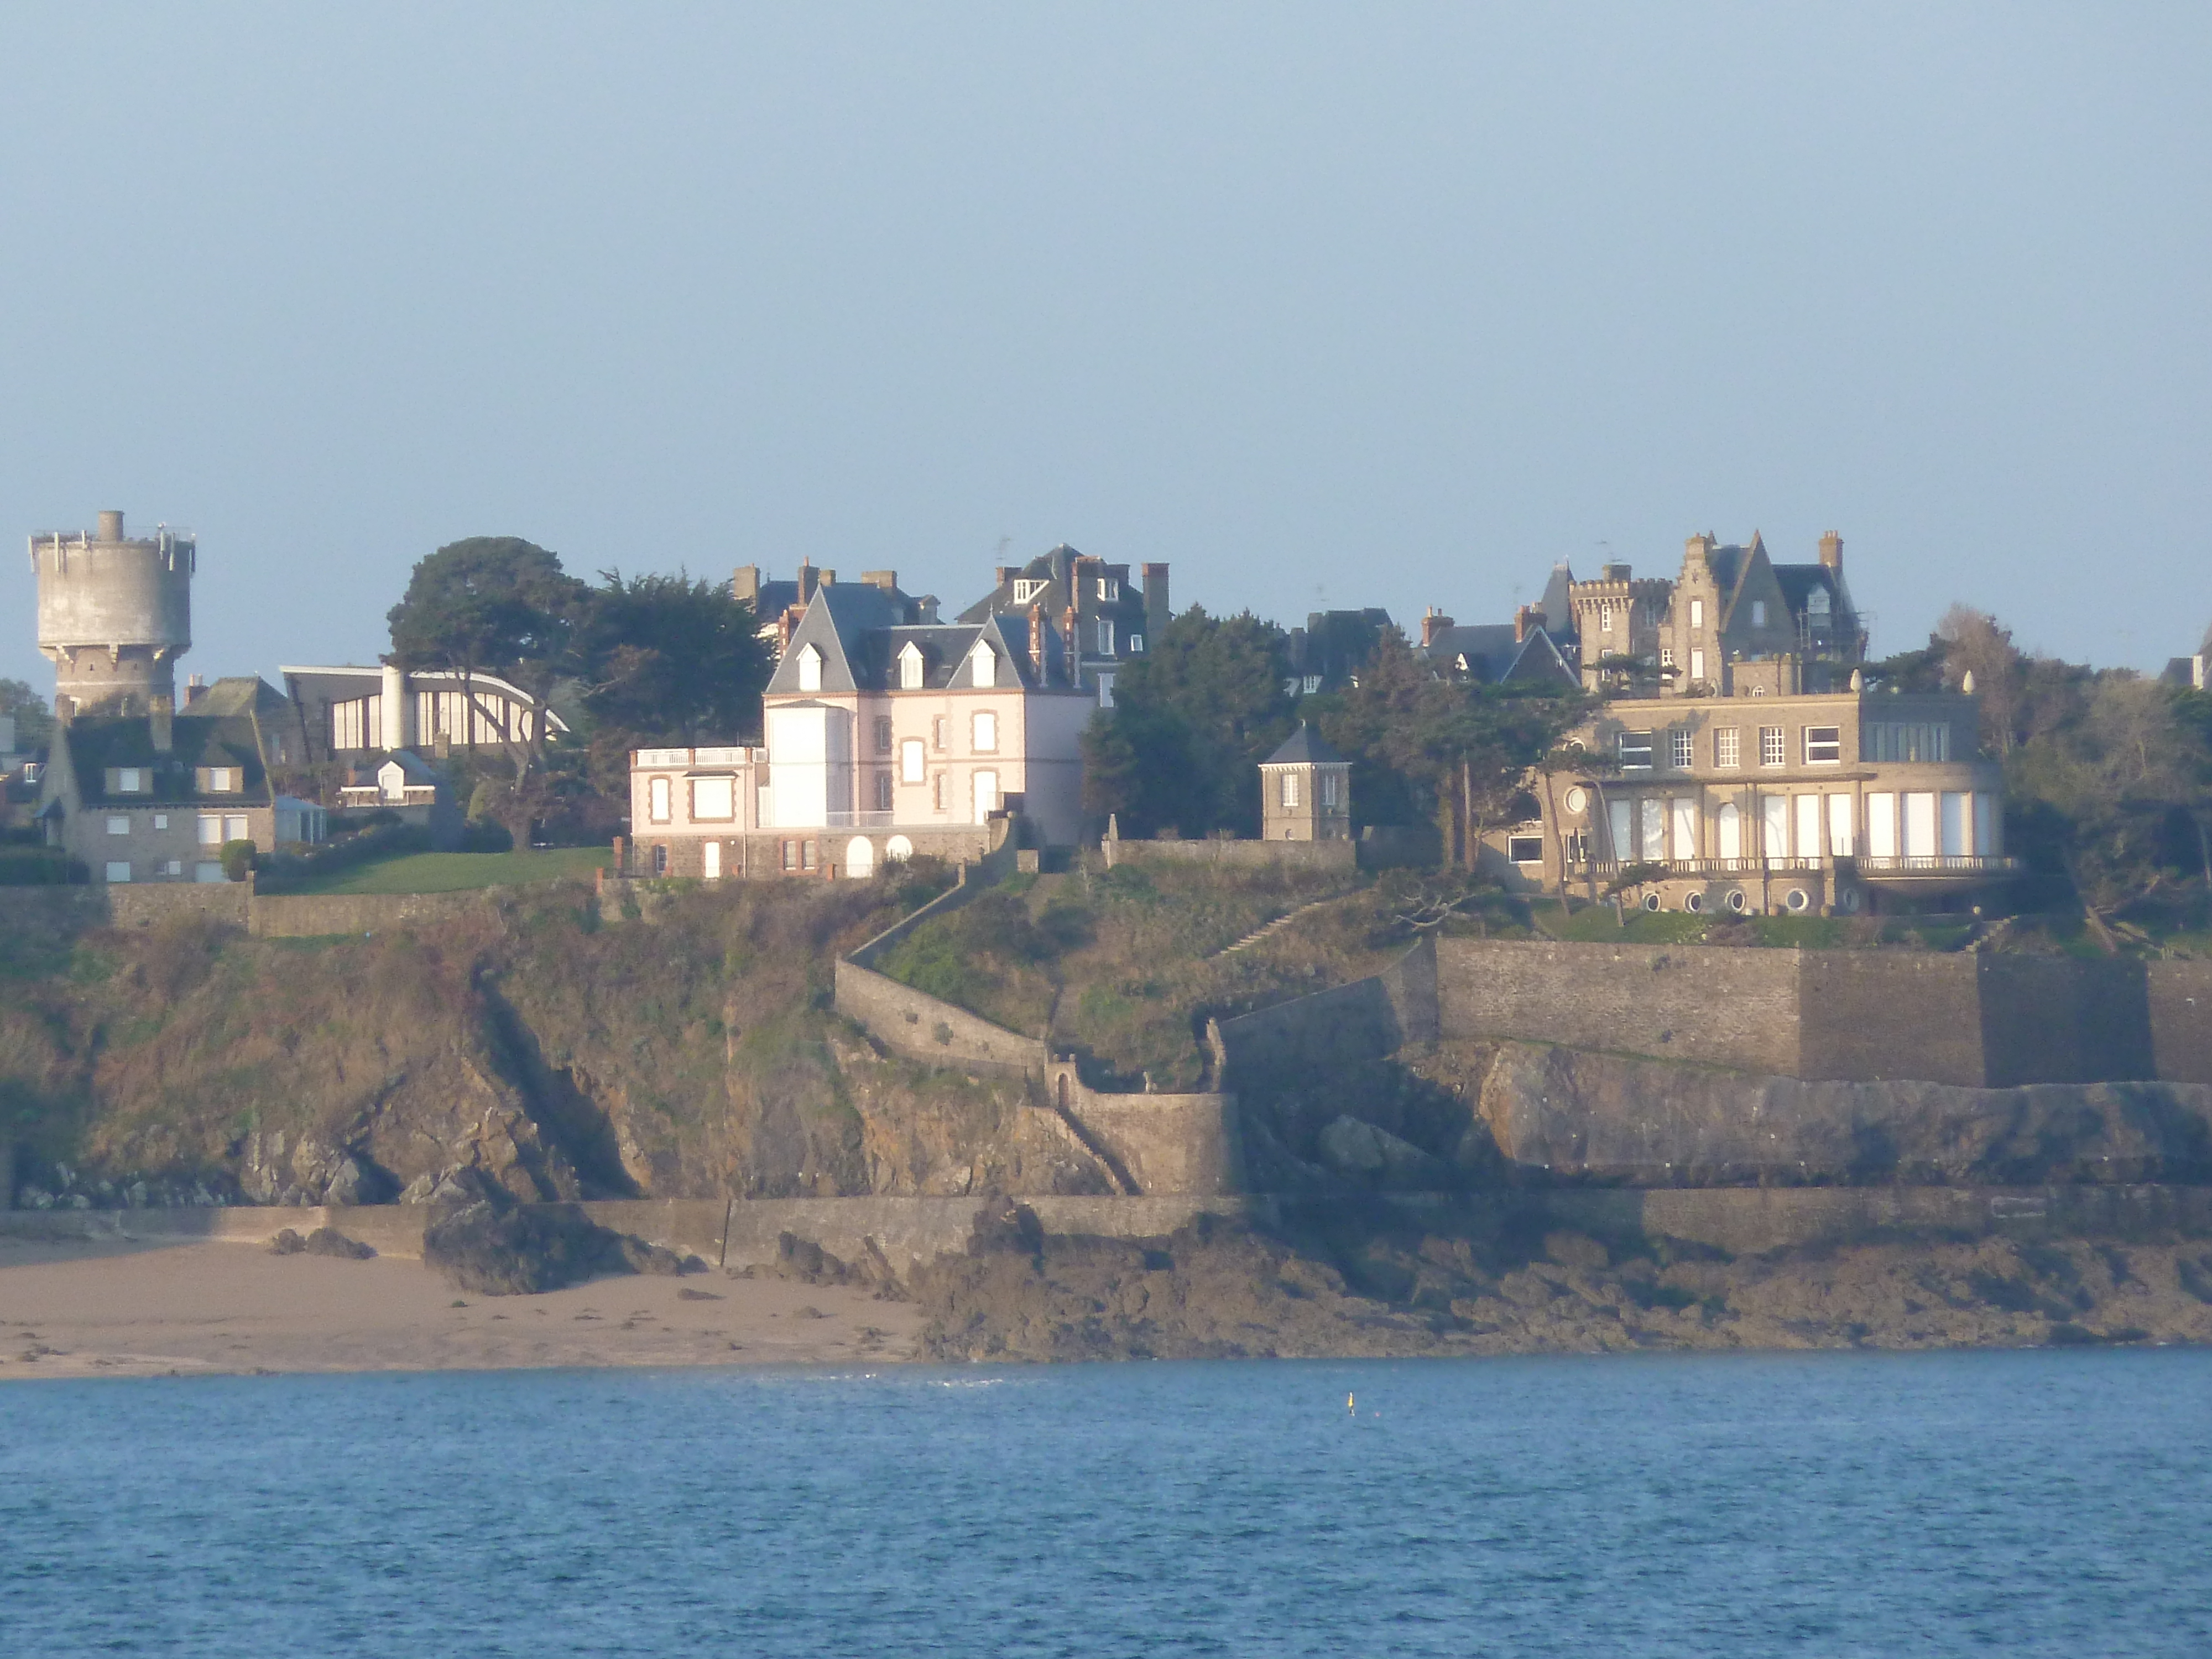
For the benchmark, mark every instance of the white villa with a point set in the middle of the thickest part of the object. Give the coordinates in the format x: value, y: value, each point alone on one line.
x: 884, y: 738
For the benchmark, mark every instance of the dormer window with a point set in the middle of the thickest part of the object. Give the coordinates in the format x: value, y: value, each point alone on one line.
x: 1817, y: 602
x: 1105, y: 638
x: 1108, y: 588
x: 1759, y: 613
x: 128, y: 780
x: 1136, y: 643
x: 910, y: 668
x: 219, y: 779
x: 810, y: 668
x: 1028, y: 589
x: 983, y: 665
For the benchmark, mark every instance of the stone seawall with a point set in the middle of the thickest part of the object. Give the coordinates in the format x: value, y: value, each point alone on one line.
x: 908, y: 1232
x: 1346, y: 1024
x: 1975, y: 1020
x: 1721, y: 1007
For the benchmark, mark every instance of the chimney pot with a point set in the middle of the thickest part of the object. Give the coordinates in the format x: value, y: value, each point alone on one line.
x: 111, y: 524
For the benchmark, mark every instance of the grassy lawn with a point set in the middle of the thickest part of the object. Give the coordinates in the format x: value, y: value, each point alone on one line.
x: 455, y: 872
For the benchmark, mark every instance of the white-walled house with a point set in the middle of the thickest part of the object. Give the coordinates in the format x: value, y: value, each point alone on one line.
x: 883, y: 739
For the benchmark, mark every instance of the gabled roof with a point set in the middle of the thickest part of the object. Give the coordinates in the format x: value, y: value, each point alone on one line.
x: 99, y: 743
x: 860, y: 639
x: 1304, y: 747
x: 1489, y: 652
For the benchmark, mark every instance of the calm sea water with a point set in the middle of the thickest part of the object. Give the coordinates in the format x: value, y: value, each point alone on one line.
x: 1986, y: 1504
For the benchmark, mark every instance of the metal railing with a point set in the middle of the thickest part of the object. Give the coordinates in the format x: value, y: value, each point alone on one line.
x: 1939, y: 864
x: 1942, y: 864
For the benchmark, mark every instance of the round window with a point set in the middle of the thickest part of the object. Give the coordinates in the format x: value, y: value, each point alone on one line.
x: 1799, y: 900
x: 1851, y: 900
x: 1651, y: 900
x: 1737, y: 902
x: 1695, y: 902
x: 1577, y: 799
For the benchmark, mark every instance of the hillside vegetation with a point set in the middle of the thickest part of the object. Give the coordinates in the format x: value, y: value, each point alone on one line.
x: 1124, y: 966
x: 689, y: 1051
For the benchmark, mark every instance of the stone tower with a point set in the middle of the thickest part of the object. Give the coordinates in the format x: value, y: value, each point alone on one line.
x: 114, y: 615
x: 1305, y: 791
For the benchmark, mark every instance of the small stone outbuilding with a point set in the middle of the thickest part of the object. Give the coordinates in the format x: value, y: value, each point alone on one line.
x: 1305, y: 791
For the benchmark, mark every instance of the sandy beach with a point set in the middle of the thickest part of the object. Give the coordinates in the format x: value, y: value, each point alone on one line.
x: 95, y: 1308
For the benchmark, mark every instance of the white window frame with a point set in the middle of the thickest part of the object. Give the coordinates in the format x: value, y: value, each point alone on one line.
x: 913, y: 761
x: 983, y: 732
x: 659, y: 800
x: 1697, y: 663
x: 1826, y: 750
x: 910, y: 668
x: 983, y: 667
x: 1027, y: 588
x: 810, y: 668
x: 1773, y: 745
x: 1136, y: 644
x: 1697, y: 613
x: 119, y: 826
x: 1727, y: 748
x: 1681, y: 749
x: 210, y: 830
x: 1635, y: 744
x: 1104, y: 629
x: 1288, y: 792
x: 1109, y: 588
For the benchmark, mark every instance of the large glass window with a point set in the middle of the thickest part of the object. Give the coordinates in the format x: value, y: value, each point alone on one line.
x: 1841, y: 841
x: 658, y: 796
x: 714, y: 799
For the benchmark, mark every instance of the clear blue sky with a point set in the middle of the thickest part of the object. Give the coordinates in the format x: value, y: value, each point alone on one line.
x: 1353, y: 304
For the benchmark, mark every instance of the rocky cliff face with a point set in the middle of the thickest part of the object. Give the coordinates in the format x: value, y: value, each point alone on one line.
x: 523, y: 1045
x: 1616, y: 1119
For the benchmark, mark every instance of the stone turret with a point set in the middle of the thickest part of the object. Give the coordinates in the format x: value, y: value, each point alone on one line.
x: 114, y: 615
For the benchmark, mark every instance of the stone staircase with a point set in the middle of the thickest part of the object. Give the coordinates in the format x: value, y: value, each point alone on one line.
x: 1279, y: 923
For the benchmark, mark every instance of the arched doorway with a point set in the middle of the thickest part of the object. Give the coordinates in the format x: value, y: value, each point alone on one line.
x: 898, y: 849
x: 860, y: 858
x: 1730, y: 824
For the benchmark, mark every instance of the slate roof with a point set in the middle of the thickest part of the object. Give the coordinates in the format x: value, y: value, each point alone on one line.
x: 858, y: 631
x: 1488, y: 652
x: 1304, y: 747
x: 96, y: 743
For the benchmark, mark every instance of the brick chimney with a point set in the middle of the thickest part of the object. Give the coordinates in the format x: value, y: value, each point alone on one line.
x: 1005, y: 575
x: 1156, y: 612
x: 809, y: 580
x: 886, y: 579
x: 1433, y: 622
x: 1832, y: 552
x: 1520, y: 624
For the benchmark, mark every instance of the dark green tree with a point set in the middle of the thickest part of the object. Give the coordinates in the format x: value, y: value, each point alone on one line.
x: 1458, y: 754
x: 674, y: 661
x: 35, y: 721
x: 1191, y: 722
x: 500, y: 605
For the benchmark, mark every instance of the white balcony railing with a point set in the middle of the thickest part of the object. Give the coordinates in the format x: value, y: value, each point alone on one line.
x: 1916, y: 865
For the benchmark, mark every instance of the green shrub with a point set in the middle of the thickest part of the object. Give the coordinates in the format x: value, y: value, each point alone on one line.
x: 239, y: 858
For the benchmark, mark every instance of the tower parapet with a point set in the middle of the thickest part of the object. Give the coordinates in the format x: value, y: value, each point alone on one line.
x: 114, y: 615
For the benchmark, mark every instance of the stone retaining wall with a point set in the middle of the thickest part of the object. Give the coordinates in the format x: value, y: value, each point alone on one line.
x: 909, y: 1232
x: 1334, y: 856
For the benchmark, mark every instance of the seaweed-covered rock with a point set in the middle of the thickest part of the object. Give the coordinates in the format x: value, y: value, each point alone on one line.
x: 328, y: 1241
x: 497, y: 1248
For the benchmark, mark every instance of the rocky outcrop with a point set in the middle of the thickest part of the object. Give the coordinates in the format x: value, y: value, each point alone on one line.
x: 1345, y: 1283
x: 496, y: 1248
x: 1573, y: 1115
